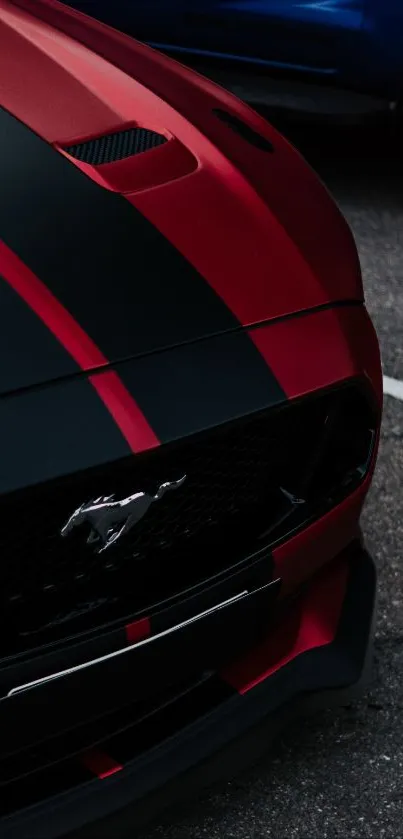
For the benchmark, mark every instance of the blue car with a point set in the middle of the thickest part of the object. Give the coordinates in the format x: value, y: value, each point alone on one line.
x: 352, y: 43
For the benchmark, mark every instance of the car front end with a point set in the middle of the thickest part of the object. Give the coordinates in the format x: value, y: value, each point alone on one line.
x: 190, y: 415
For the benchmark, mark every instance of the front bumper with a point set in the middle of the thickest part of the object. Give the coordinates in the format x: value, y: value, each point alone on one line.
x: 317, y: 654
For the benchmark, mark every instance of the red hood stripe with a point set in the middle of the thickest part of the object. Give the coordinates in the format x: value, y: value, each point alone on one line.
x: 60, y: 322
x: 120, y: 404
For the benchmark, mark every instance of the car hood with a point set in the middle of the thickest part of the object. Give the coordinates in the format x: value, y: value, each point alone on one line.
x: 142, y: 207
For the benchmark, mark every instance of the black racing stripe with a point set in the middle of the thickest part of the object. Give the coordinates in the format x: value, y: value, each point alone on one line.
x: 29, y: 352
x: 119, y: 277
x: 195, y: 387
x: 54, y: 431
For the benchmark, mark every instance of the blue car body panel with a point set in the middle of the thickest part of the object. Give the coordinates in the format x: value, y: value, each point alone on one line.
x: 358, y: 43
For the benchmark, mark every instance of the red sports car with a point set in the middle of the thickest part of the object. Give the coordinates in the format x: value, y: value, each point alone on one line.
x: 190, y: 405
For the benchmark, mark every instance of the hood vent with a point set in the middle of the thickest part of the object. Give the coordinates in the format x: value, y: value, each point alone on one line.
x: 113, y: 147
x: 244, y: 130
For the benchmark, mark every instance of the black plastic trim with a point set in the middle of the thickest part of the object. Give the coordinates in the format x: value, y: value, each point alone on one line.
x: 232, y: 731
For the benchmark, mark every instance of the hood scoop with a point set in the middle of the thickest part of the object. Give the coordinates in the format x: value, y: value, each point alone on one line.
x: 245, y: 131
x: 131, y: 158
x: 117, y: 146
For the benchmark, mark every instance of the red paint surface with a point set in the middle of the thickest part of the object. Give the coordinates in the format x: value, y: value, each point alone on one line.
x: 140, y: 171
x: 259, y: 227
x: 58, y: 320
x: 120, y: 404
x: 310, y: 624
x: 297, y: 559
x: 100, y: 764
x: 321, y: 349
x: 125, y: 411
x: 306, y: 354
x: 138, y: 630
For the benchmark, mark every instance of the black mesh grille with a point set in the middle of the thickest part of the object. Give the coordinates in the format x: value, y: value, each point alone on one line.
x: 240, y: 479
x: 112, y: 147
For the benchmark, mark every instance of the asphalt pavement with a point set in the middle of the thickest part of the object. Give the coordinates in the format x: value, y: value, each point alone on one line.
x: 340, y: 774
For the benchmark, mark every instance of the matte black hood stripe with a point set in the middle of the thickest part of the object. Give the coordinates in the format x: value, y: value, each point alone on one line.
x: 110, y: 389
x: 107, y: 268
x: 21, y: 328
x: 53, y: 431
x: 120, y: 278
x: 190, y: 389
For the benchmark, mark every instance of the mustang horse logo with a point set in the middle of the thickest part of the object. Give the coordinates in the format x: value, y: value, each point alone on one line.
x: 110, y: 519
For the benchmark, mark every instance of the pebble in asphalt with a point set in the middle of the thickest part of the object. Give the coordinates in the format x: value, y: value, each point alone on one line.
x: 340, y: 774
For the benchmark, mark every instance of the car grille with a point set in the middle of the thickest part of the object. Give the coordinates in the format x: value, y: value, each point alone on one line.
x: 241, y: 493
x: 64, y: 763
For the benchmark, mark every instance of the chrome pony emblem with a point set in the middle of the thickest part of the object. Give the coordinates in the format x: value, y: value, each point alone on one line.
x: 110, y: 519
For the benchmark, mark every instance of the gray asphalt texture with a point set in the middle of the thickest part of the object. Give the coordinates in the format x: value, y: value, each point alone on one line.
x: 340, y: 774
